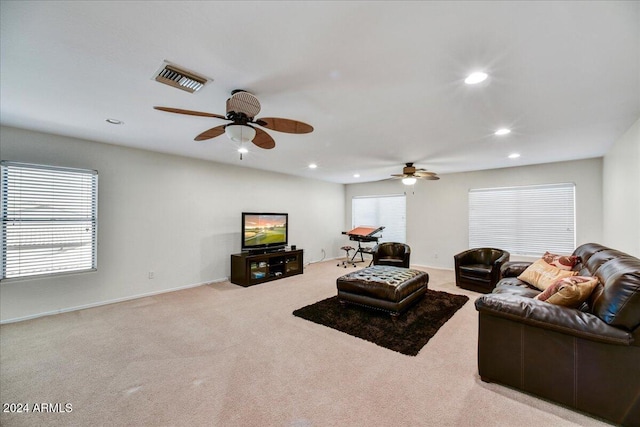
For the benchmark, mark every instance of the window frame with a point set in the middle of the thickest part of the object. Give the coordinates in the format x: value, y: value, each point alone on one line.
x: 47, y: 209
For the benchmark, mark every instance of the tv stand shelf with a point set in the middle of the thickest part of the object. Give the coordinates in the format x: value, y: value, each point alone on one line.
x: 249, y: 269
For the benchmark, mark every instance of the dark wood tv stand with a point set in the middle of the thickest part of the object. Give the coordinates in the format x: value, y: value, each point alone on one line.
x: 249, y: 269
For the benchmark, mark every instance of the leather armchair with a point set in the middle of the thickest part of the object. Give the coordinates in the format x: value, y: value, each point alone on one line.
x: 478, y: 269
x: 392, y: 253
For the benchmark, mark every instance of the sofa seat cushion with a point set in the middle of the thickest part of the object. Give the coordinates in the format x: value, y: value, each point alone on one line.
x: 391, y: 261
x: 515, y: 286
x: 475, y: 270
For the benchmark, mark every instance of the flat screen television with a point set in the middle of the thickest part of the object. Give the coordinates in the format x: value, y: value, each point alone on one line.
x: 264, y: 231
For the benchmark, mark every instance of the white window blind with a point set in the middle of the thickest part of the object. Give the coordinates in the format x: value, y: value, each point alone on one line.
x: 526, y: 220
x: 49, y: 219
x: 387, y: 211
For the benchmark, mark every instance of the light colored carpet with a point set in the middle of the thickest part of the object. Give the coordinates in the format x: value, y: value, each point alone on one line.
x: 224, y: 355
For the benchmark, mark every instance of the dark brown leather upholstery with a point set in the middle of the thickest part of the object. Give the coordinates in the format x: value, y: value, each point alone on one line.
x: 383, y: 287
x: 479, y: 269
x: 586, y: 359
x: 391, y: 253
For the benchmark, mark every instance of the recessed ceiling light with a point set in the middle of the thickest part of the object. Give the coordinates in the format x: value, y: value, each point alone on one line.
x: 312, y: 166
x: 475, y: 78
x: 114, y: 121
x: 503, y: 131
x: 356, y: 175
x: 514, y: 156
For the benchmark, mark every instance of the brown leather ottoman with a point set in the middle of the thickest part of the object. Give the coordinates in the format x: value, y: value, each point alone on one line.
x: 383, y: 287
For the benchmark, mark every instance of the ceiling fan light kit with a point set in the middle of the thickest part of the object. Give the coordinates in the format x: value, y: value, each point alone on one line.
x: 409, y: 180
x: 410, y: 175
x: 240, y: 133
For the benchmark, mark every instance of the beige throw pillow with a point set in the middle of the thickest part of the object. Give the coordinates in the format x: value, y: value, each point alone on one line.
x: 570, y: 291
x: 563, y: 262
x: 542, y: 275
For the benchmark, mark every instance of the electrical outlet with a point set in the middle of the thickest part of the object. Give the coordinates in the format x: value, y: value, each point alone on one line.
x: 152, y: 275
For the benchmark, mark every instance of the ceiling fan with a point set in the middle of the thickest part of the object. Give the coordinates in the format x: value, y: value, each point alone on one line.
x: 242, y: 108
x: 410, y: 174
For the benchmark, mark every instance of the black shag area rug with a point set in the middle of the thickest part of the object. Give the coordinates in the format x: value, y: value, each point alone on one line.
x: 407, y: 334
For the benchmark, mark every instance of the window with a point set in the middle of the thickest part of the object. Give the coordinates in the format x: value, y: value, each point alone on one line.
x: 376, y: 211
x: 48, y: 220
x: 525, y: 220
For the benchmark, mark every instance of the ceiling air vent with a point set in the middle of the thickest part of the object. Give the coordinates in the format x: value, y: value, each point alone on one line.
x: 180, y: 78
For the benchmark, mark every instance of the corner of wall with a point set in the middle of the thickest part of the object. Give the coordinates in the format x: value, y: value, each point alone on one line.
x: 621, y: 193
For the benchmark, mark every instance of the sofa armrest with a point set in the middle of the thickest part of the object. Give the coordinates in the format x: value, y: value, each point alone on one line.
x: 544, y: 315
x: 502, y: 259
x: 513, y: 268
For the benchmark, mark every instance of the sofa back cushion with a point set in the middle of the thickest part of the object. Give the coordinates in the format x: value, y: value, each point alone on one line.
x: 584, y: 252
x: 617, y: 302
x: 601, y: 257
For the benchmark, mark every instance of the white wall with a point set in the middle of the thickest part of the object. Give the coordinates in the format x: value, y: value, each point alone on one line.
x: 175, y: 216
x: 437, y: 214
x: 621, y: 184
x: 180, y: 217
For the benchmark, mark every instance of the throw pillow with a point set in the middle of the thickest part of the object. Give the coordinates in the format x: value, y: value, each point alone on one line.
x: 542, y: 275
x: 569, y: 291
x: 563, y: 262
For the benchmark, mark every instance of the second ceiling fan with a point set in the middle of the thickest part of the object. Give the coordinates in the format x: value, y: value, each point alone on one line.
x: 242, y: 109
x: 410, y: 174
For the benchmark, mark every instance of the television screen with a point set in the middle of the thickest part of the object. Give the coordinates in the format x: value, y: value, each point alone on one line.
x: 264, y: 230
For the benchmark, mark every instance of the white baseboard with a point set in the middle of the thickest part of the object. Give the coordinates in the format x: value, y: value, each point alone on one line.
x: 113, y: 301
x: 435, y: 268
x: 149, y: 294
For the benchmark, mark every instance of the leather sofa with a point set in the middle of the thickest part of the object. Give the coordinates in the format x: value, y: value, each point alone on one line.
x: 392, y: 253
x: 588, y: 358
x: 478, y: 269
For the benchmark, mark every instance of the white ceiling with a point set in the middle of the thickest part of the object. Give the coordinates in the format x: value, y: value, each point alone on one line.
x: 381, y: 82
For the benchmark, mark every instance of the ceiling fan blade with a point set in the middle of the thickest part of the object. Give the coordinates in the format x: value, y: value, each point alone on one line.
x: 425, y: 173
x: 263, y: 139
x: 284, y: 125
x: 190, y: 112
x: 400, y: 175
x: 430, y: 177
x: 211, y: 133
